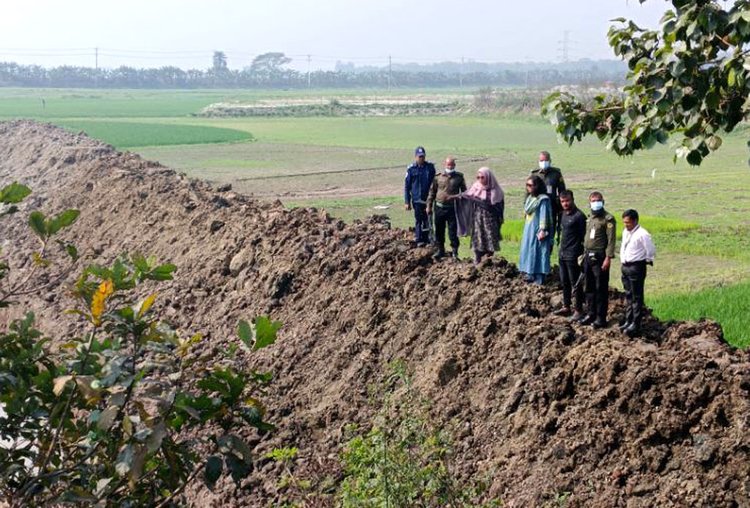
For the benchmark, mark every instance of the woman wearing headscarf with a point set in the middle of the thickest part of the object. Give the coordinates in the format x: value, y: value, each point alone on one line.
x: 480, y: 211
x: 537, y: 232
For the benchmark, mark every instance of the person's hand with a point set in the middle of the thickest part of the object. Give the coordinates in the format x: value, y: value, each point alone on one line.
x: 606, y: 263
x: 429, y: 210
x: 407, y: 206
x: 541, y: 235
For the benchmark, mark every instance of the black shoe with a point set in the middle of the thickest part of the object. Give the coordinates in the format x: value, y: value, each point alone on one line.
x: 454, y: 253
x: 563, y: 311
x: 622, y: 326
x: 599, y: 324
x: 633, y: 330
x: 587, y: 320
x: 421, y: 244
x: 576, y: 317
x: 438, y: 255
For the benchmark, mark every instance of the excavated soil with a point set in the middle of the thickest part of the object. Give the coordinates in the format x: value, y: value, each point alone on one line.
x: 538, y: 405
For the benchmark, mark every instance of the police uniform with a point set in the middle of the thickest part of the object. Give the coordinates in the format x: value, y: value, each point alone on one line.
x: 598, y: 243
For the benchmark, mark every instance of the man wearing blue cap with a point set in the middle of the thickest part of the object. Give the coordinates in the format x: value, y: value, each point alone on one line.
x: 419, y: 177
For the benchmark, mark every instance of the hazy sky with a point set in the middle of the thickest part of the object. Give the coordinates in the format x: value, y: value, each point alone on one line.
x: 151, y: 33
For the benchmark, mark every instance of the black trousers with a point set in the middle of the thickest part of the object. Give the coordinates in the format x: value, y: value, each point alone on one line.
x: 421, y: 223
x: 596, y: 285
x: 570, y: 272
x: 633, y: 279
x: 445, y: 216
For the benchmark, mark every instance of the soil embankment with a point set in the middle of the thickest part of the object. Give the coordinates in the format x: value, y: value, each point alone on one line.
x: 541, y: 406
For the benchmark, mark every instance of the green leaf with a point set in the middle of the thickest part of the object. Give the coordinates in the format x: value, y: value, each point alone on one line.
x: 213, y: 471
x: 265, y: 332
x: 13, y: 193
x: 732, y: 77
x: 38, y: 224
x: 694, y: 158
x: 245, y: 333
x: 162, y: 272
x: 63, y: 220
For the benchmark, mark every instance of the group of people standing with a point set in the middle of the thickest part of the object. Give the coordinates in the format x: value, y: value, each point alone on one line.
x: 586, y: 245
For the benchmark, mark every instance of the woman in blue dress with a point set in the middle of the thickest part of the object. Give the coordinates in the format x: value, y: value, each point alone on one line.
x: 537, y: 232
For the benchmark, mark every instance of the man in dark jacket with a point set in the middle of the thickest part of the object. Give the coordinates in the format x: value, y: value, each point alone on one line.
x: 447, y: 184
x: 555, y: 184
x: 572, y: 233
x: 419, y: 177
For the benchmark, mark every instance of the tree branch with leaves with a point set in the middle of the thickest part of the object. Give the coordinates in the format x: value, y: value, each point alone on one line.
x: 689, y: 80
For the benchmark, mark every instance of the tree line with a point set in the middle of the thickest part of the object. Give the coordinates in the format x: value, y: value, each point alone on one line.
x: 269, y: 71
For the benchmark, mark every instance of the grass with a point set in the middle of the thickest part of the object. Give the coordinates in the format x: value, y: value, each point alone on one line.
x: 729, y: 305
x: 132, y: 134
x: 353, y: 167
x: 56, y: 103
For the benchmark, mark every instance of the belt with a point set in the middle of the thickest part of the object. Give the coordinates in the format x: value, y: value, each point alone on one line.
x: 443, y: 205
x: 633, y: 263
x: 593, y: 253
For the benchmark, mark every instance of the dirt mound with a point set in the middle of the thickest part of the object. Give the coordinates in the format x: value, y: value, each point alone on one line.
x: 543, y: 406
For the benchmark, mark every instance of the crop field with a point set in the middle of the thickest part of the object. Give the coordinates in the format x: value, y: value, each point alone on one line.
x: 353, y: 167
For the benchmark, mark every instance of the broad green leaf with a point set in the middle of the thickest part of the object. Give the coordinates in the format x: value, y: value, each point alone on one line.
x: 63, y: 220
x: 214, y: 468
x: 265, y: 332
x: 162, y: 272
x: 13, y: 193
x: 38, y: 224
x: 245, y: 333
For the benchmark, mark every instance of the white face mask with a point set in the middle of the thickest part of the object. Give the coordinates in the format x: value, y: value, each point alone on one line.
x: 450, y: 170
x: 597, y: 206
x: 544, y: 164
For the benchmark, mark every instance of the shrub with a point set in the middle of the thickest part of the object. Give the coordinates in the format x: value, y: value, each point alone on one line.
x: 404, y: 459
x: 106, y: 417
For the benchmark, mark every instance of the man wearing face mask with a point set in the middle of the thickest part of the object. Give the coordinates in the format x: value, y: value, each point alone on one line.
x: 598, y: 251
x: 447, y: 184
x: 419, y: 176
x: 555, y: 184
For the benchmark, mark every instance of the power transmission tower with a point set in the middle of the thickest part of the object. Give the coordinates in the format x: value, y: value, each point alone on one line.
x: 461, y: 74
x: 96, y: 58
x: 564, y: 46
x: 390, y: 71
x: 308, y: 71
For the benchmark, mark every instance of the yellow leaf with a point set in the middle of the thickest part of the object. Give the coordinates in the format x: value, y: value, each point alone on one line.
x: 99, y: 301
x: 146, y: 304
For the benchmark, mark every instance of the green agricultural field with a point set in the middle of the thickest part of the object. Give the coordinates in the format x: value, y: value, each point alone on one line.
x: 353, y: 167
x: 139, y: 134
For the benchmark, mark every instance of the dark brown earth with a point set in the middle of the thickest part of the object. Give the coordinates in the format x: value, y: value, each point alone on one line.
x: 540, y: 406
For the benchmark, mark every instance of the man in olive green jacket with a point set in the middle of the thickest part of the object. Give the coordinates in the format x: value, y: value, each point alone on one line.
x: 446, y: 184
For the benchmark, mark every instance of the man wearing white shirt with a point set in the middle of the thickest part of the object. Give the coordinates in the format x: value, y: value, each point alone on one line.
x: 636, y: 251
